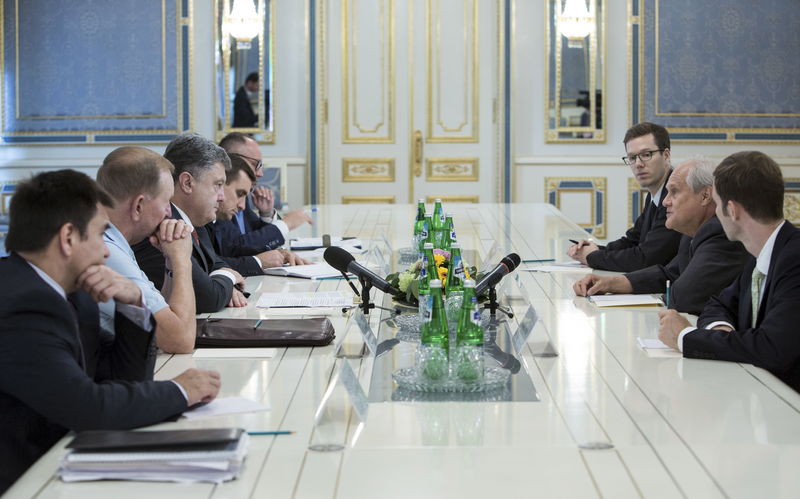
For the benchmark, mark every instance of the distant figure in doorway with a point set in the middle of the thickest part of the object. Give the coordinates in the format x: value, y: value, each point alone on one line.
x: 243, y: 114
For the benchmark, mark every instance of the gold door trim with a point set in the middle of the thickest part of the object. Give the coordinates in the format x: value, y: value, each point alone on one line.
x: 452, y: 170
x: 368, y: 170
x: 367, y: 199
x: 350, y: 67
x: 453, y: 199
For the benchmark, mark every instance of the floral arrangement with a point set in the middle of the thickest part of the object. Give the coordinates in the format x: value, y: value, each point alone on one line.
x: 407, y: 281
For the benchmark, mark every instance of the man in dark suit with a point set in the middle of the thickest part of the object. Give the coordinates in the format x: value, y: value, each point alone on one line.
x: 648, y: 242
x: 264, y: 230
x: 706, y: 261
x: 59, y: 372
x: 199, y: 179
x: 243, y: 114
x: 238, y: 181
x: 754, y: 320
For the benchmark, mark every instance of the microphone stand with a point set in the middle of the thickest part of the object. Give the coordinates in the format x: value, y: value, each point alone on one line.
x: 493, y: 306
x: 366, y: 305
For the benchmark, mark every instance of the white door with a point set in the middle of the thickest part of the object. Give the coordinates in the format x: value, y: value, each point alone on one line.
x: 409, y: 93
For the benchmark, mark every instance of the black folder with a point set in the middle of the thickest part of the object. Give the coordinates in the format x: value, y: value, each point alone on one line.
x: 161, y: 441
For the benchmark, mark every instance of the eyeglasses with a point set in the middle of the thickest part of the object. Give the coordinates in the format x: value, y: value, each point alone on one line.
x: 645, y: 156
x: 259, y: 163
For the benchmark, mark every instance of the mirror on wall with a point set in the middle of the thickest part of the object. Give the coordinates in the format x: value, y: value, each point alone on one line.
x: 244, y: 63
x: 575, y: 73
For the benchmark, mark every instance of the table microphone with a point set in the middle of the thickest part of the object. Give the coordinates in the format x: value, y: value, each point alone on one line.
x: 506, y: 266
x: 343, y: 261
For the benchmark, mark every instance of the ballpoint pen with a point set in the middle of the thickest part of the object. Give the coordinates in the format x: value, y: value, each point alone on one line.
x: 280, y: 432
x: 541, y: 260
x: 666, y: 295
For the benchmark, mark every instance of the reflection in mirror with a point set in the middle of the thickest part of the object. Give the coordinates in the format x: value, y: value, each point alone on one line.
x: 575, y: 73
x: 244, y: 68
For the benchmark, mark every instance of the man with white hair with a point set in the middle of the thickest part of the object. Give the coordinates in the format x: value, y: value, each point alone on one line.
x: 706, y: 261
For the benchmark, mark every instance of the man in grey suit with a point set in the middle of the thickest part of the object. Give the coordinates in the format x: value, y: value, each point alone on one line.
x: 706, y: 261
x: 59, y: 371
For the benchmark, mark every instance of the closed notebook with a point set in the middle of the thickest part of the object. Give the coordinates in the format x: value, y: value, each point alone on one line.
x: 164, y: 440
x: 243, y: 333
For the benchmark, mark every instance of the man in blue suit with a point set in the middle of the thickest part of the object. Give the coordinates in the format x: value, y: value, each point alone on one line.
x: 59, y: 370
x: 265, y: 230
x: 238, y: 181
x: 755, y: 319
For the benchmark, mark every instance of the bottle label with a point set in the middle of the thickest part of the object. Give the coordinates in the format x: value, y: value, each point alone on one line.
x: 426, y: 307
x: 422, y: 273
x: 458, y: 268
x: 442, y: 218
x: 476, y: 316
x: 453, y: 235
x: 424, y: 232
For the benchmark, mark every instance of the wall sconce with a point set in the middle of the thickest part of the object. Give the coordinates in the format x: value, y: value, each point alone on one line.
x: 576, y: 22
x: 243, y: 23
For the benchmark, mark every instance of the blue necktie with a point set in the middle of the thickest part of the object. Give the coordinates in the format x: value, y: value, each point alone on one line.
x: 240, y: 220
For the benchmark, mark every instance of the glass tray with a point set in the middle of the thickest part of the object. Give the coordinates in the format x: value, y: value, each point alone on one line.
x: 407, y: 256
x: 408, y: 379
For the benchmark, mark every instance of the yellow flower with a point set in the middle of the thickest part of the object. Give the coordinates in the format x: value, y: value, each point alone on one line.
x: 442, y: 274
x: 466, y: 273
x: 439, y: 259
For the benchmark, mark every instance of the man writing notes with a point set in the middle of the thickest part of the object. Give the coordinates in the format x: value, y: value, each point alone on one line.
x: 140, y: 182
x: 199, y: 177
x: 754, y: 320
x: 59, y: 371
x: 239, y: 180
x: 248, y: 233
x: 706, y: 261
x: 648, y: 242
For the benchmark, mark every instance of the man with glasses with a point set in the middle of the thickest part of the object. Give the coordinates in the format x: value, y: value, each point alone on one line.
x: 649, y: 241
x: 250, y: 233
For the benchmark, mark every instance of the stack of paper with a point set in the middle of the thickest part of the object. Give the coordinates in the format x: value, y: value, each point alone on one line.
x: 316, y: 299
x: 313, y: 271
x: 163, y: 456
x: 624, y: 300
x: 311, y: 243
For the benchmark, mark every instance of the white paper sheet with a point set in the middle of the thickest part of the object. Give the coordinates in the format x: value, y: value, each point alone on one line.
x: 225, y: 405
x: 624, y: 300
x: 315, y: 299
x: 233, y: 353
x: 313, y: 271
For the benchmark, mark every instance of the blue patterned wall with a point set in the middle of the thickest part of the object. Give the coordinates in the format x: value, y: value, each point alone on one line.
x: 85, y: 70
x: 718, y: 69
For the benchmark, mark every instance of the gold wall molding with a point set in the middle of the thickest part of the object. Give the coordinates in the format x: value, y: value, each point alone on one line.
x: 633, y: 187
x: 453, y: 199
x: 446, y: 132
x: 354, y: 128
x: 791, y: 201
x: 452, y: 170
x: 368, y: 170
x: 368, y: 199
x: 594, y: 188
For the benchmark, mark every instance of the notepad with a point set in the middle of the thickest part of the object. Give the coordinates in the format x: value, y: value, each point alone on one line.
x: 313, y: 271
x: 624, y: 300
x: 317, y: 299
x: 568, y: 266
x: 653, y: 347
x: 654, y: 343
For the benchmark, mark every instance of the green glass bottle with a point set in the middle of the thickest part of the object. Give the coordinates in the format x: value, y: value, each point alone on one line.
x: 434, y: 337
x: 429, y: 225
x: 420, y: 228
x: 425, y: 277
x: 439, y: 224
x: 452, y: 227
x: 468, y: 362
x: 455, y: 273
x: 447, y: 232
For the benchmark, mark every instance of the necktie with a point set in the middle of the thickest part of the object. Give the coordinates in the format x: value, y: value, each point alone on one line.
x: 196, y: 237
x: 755, y: 292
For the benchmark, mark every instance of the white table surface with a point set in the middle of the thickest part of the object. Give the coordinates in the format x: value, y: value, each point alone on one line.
x: 678, y: 427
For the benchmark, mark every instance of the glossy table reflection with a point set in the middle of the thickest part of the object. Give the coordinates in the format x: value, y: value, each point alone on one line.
x: 671, y: 427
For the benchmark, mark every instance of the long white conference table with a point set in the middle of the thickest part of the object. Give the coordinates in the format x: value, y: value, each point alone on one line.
x: 607, y: 418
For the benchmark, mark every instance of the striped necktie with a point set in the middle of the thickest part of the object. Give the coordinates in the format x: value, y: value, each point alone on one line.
x: 755, y: 292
